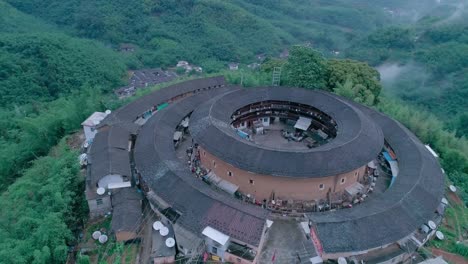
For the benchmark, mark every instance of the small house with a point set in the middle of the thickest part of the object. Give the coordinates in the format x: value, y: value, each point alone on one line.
x: 233, y: 66
x: 284, y: 54
x: 127, y: 47
x: 182, y: 64
x: 91, y: 123
x: 127, y: 214
x: 108, y: 168
x: 163, y: 249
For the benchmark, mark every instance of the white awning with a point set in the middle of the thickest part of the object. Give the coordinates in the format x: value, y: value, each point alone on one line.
x: 305, y: 227
x: 431, y: 151
x: 303, y: 123
x: 117, y: 185
x: 354, y: 189
x: 185, y: 122
x: 394, y: 168
x: 215, y: 235
x: 222, y: 184
x: 177, y: 135
x: 316, y: 260
x: 372, y: 165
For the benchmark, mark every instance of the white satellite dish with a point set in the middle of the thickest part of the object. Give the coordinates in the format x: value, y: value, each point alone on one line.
x: 164, y: 231
x: 157, y: 225
x: 108, y: 112
x: 440, y: 235
x: 342, y: 260
x: 452, y: 188
x: 100, y: 191
x: 444, y: 201
x: 431, y: 224
x: 103, y: 239
x: 170, y: 242
x: 96, y: 235
x: 96, y: 122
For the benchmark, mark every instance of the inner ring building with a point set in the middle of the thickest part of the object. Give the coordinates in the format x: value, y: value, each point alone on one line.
x: 285, y: 143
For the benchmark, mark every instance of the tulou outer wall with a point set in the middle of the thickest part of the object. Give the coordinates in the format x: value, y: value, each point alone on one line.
x: 262, y: 186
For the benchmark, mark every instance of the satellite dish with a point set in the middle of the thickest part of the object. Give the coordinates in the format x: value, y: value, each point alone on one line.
x: 96, y: 235
x: 342, y: 260
x: 157, y: 225
x: 444, y: 201
x: 164, y: 231
x: 170, y: 242
x: 440, y: 235
x: 425, y: 229
x: 431, y: 224
x: 100, y: 191
x: 95, y: 122
x: 452, y: 188
x: 108, y: 112
x: 103, y: 239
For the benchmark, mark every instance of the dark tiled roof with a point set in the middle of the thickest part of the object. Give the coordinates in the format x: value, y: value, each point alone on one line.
x: 109, y: 154
x: 127, y: 213
x: 393, y: 215
x: 113, y: 137
x: 390, y: 216
x: 358, y: 139
x: 198, y: 204
x: 109, y: 161
x: 126, y: 115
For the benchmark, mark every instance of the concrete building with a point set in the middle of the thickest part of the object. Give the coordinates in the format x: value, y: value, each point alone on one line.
x: 91, y: 123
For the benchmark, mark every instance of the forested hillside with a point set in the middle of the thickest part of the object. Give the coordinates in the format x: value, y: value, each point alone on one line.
x: 209, y: 31
x: 59, y: 63
x: 424, y: 63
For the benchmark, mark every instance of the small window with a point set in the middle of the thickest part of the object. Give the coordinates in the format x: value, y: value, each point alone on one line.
x: 265, y: 119
x: 243, y: 124
x: 99, y: 201
x: 251, y: 181
x: 229, y: 173
x: 321, y: 186
x: 215, y: 250
x: 214, y: 164
x: 355, y: 173
x: 343, y: 180
x: 204, y: 153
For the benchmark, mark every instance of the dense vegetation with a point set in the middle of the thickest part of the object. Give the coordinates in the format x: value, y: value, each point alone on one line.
x: 43, y: 67
x: 424, y: 64
x: 209, y: 31
x: 58, y: 64
x: 40, y: 210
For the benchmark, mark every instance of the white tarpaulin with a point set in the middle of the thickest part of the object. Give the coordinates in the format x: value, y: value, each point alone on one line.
x: 394, y: 168
x: 215, y: 235
x: 372, y: 165
x: 222, y: 184
x: 303, y: 123
x: 177, y: 135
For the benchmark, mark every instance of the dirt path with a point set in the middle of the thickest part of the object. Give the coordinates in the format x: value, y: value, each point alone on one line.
x: 453, y: 258
x: 146, y: 232
x: 457, y: 224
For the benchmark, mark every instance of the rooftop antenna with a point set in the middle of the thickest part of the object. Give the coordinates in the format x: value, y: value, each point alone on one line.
x: 276, y: 80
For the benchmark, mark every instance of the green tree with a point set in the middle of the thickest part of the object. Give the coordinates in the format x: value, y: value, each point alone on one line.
x: 357, y: 93
x: 305, y: 68
x: 365, y: 79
